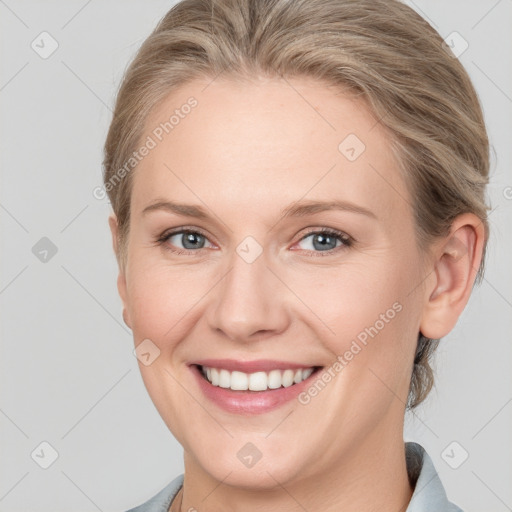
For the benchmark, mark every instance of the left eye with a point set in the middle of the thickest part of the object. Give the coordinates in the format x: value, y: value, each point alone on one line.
x: 324, y: 241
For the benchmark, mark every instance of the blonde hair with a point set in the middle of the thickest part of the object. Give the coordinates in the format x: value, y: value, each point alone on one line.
x: 380, y: 50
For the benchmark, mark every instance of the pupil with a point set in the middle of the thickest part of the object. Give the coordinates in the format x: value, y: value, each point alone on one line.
x: 324, y: 241
x: 192, y: 238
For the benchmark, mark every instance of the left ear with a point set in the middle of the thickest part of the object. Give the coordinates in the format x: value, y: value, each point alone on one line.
x: 457, y: 259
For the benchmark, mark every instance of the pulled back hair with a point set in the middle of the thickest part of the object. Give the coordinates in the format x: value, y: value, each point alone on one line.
x: 382, y: 51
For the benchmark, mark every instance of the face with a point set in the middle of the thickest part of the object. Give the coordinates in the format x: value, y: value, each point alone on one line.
x: 271, y: 234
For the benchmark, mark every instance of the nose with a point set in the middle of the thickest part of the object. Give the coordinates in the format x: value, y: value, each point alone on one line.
x: 250, y: 302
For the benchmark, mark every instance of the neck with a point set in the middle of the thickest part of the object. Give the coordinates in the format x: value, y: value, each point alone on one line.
x: 372, y: 477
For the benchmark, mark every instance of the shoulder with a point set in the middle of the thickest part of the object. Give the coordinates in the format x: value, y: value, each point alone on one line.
x: 162, y: 500
x: 429, y: 493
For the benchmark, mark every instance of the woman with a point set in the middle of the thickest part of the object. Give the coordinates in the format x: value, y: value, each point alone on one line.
x: 298, y: 217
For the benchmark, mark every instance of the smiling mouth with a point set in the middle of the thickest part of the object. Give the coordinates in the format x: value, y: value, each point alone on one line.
x: 257, y: 381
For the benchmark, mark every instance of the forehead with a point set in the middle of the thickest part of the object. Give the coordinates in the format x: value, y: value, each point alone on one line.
x: 266, y: 143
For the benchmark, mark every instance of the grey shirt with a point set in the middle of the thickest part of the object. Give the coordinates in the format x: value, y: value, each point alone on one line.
x: 428, y: 496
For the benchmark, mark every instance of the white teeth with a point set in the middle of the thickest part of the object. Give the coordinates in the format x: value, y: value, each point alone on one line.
x: 239, y: 381
x: 224, y: 379
x: 306, y: 373
x: 274, y: 379
x: 288, y: 378
x: 258, y: 381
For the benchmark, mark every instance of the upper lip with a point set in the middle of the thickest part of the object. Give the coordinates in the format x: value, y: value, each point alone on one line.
x: 259, y: 365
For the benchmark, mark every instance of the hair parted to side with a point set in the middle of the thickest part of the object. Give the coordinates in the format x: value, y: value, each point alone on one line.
x: 380, y: 50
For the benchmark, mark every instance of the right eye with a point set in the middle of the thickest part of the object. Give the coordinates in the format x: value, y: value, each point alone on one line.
x: 191, y: 241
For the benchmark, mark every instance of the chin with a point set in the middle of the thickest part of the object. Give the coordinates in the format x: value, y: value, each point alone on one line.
x: 250, y: 479
x: 265, y: 473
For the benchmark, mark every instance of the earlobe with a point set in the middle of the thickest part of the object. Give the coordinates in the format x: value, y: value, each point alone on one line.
x: 121, y: 278
x: 457, y: 259
x: 121, y: 288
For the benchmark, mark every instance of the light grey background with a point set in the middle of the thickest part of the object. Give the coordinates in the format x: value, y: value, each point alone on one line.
x: 68, y: 376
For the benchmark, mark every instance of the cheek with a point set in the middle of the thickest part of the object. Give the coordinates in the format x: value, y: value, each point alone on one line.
x: 349, y: 299
x: 163, y: 298
x: 372, y: 321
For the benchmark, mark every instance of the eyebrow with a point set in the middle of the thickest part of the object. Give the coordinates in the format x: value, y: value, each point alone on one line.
x: 297, y: 209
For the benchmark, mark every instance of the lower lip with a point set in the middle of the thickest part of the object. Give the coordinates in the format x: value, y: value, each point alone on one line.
x: 249, y: 402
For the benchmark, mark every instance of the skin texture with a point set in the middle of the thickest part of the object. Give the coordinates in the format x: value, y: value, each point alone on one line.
x: 244, y: 154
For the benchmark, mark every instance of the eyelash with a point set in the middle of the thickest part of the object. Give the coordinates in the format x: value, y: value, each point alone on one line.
x: 347, y: 241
